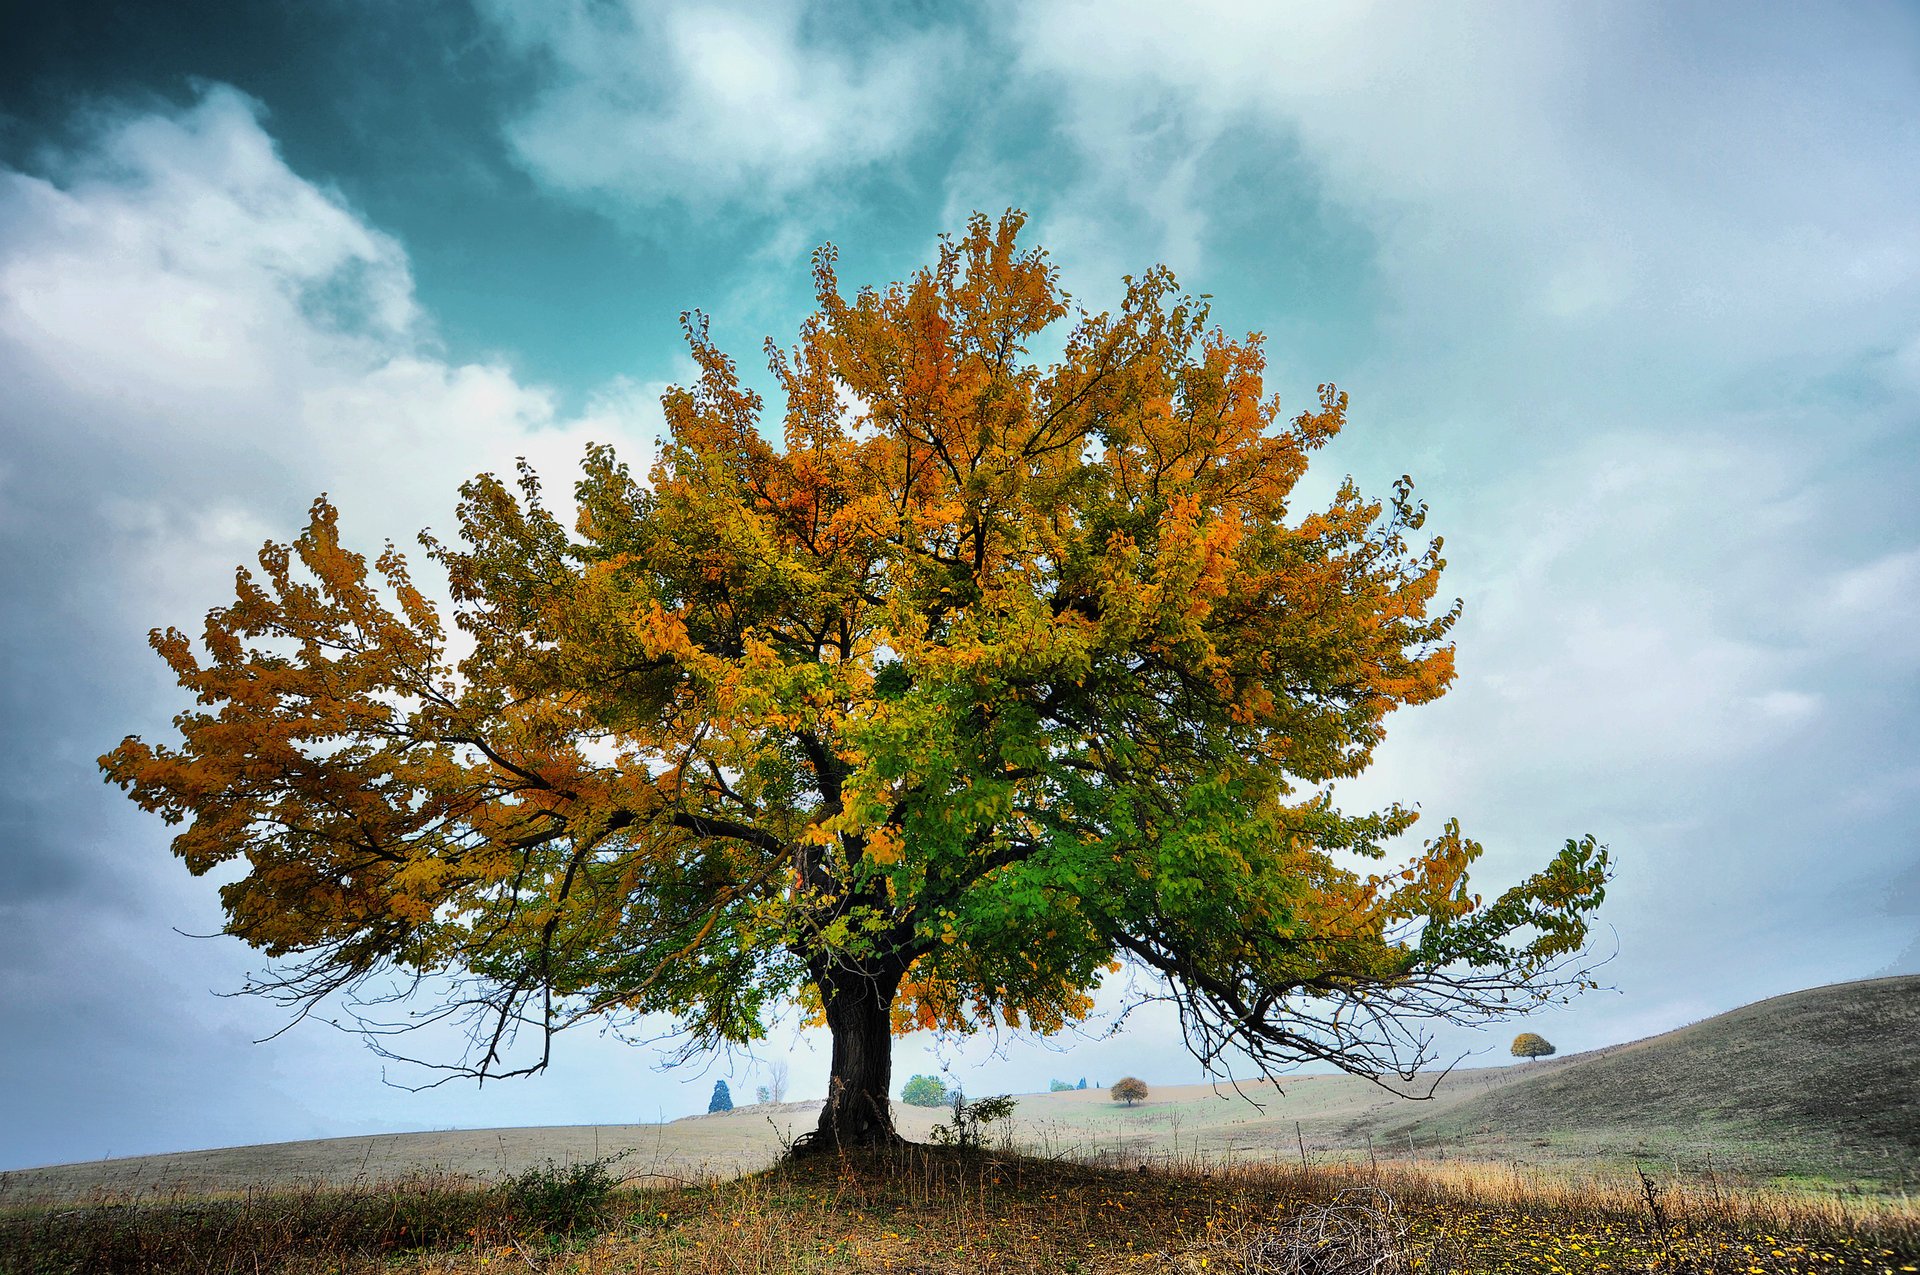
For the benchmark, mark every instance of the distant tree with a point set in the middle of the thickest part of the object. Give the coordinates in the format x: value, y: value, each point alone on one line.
x: 722, y: 1100
x: 1129, y: 1089
x: 924, y: 1091
x: 762, y: 1094
x: 1059, y: 1086
x: 777, y: 1081
x: 1082, y: 1084
x: 1529, y: 1045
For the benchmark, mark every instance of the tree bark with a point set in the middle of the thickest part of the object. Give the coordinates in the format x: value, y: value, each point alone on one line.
x: 859, y: 1005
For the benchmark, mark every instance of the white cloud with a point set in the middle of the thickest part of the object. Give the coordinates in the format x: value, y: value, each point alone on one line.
x: 699, y: 104
x: 194, y: 341
x: 1872, y: 610
x: 1718, y: 198
x: 180, y: 308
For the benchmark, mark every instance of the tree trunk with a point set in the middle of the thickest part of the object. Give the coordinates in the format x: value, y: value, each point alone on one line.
x: 859, y: 1005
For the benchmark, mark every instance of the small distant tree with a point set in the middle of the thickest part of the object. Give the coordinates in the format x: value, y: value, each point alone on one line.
x: 924, y: 1091
x: 1082, y: 1084
x: 777, y: 1082
x: 1529, y: 1045
x: 1129, y: 1089
x: 1059, y: 1086
x: 722, y: 1099
x: 762, y: 1094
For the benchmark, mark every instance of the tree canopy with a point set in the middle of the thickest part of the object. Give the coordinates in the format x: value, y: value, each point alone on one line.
x: 1531, y: 1045
x: 988, y: 678
x: 924, y: 1091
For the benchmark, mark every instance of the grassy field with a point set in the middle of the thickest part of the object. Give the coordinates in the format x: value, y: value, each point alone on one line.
x: 948, y: 1212
x: 1780, y: 1137
x: 1214, y: 1123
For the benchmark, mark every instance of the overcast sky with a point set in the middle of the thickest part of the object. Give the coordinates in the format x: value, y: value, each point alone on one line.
x: 1632, y: 291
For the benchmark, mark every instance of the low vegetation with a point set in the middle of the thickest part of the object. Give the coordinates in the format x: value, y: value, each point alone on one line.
x: 935, y: 1211
x: 924, y: 1091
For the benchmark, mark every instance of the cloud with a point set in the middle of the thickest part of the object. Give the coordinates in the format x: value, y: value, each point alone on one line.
x: 199, y: 340
x: 1552, y: 169
x: 706, y: 105
x: 1635, y: 304
x: 195, y: 341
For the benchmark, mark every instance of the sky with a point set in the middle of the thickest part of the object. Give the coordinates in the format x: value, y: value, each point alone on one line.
x: 1632, y: 291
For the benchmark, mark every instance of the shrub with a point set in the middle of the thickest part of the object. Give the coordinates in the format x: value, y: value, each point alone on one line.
x: 1059, y: 1086
x: 1129, y: 1089
x: 1529, y: 1045
x: 722, y: 1099
x: 964, y: 1129
x: 924, y: 1091
x: 554, y: 1199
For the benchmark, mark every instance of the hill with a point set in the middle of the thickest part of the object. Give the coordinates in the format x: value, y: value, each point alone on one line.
x: 1820, y: 1083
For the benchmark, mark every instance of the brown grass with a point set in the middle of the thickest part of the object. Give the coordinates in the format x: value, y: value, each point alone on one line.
x: 935, y: 1212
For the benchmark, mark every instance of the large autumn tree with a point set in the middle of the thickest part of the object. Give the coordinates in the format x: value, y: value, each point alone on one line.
x: 988, y: 679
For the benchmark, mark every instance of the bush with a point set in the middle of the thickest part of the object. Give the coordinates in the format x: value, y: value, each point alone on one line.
x: 1528, y: 1045
x: 1060, y: 1086
x: 964, y: 1131
x: 924, y: 1091
x: 1129, y: 1089
x: 554, y: 1199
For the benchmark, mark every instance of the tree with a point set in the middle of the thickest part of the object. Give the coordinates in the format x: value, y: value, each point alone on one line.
x: 1129, y: 1089
x: 988, y: 679
x: 722, y: 1099
x: 1528, y: 1045
x: 924, y: 1091
x: 1082, y: 1084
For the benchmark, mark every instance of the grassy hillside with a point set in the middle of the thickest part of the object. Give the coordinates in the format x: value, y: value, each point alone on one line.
x: 1820, y: 1083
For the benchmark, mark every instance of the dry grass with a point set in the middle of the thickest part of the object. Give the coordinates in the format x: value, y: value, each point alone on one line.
x: 935, y: 1212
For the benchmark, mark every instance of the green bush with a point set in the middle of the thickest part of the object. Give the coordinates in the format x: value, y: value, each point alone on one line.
x: 555, y: 1199
x: 964, y: 1130
x: 924, y: 1091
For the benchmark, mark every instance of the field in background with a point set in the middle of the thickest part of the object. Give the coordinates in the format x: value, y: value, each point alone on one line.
x: 1819, y: 1089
